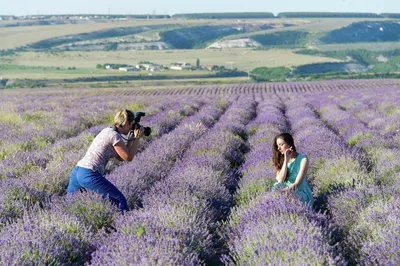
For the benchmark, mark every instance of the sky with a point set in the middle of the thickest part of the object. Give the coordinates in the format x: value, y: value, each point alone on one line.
x: 170, y: 7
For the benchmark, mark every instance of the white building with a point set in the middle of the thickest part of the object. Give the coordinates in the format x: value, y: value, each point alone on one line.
x: 127, y: 69
x: 148, y: 67
x: 180, y: 66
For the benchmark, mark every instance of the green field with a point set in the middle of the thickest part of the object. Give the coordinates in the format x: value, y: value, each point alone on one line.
x: 85, y: 62
x: 382, y: 46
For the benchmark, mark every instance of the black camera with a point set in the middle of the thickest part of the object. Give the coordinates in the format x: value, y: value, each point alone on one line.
x: 136, y: 125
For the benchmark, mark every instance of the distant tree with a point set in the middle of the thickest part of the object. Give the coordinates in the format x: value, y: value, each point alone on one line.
x: 112, y: 46
x: 270, y: 74
x: 99, y: 66
x: 215, y: 68
x: 198, y: 63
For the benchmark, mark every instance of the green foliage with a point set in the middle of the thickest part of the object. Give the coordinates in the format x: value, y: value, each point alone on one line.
x: 101, y: 34
x: 376, y: 69
x: 223, y: 72
x: 390, y: 15
x: 337, y: 75
x: 238, y: 15
x: 364, y: 57
x: 392, y: 65
x: 34, y: 84
x: 97, y: 214
x: 196, y: 37
x: 112, y: 46
x: 88, y: 138
x: 7, y: 52
x: 41, y: 142
x: 326, y: 68
x: 11, y: 117
x: 141, y: 231
x: 115, y: 66
x: 354, y: 140
x: 146, y: 62
x: 326, y: 15
x: 252, y: 191
x: 138, y: 230
x: 365, y: 31
x: 33, y: 116
x: 270, y: 74
x: 342, y: 55
x: 282, y: 38
x: 338, y: 173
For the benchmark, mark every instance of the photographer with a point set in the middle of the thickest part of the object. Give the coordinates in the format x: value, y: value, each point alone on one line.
x: 109, y: 143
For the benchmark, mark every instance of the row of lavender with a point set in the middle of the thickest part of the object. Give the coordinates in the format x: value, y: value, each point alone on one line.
x: 356, y: 183
x: 272, y: 228
x: 224, y: 89
x: 181, y: 138
x: 266, y: 88
x: 181, y: 213
x: 44, y: 243
x: 29, y: 124
x: 367, y: 214
x: 39, y: 182
x: 182, y: 209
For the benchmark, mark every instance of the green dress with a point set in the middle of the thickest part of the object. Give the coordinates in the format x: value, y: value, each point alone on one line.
x: 304, y: 189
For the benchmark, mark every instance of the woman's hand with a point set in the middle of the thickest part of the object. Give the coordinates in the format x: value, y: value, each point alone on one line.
x: 291, y: 187
x: 288, y: 153
x: 138, y: 133
x: 131, y: 135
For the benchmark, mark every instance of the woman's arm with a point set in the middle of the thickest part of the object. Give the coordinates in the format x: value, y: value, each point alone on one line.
x: 128, y: 151
x: 302, y: 172
x: 300, y: 175
x: 281, y: 174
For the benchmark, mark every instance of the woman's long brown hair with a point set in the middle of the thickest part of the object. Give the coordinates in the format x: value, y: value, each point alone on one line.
x: 279, y: 158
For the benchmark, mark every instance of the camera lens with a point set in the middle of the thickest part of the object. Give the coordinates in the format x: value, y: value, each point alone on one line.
x: 147, y: 131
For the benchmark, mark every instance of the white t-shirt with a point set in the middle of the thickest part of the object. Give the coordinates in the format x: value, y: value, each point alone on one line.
x: 101, y: 150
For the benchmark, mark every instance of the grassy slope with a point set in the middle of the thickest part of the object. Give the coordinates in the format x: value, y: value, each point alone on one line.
x: 17, y: 36
x: 382, y: 46
x: 312, y: 25
x: 85, y: 62
x: 14, y: 37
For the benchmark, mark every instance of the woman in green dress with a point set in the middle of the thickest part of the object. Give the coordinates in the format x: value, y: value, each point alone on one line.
x: 291, y: 169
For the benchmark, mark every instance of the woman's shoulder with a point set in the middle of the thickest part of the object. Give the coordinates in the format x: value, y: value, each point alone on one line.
x: 301, y: 156
x: 110, y: 134
x: 109, y: 131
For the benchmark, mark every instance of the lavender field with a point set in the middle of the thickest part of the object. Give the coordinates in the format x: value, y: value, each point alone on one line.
x: 199, y: 189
